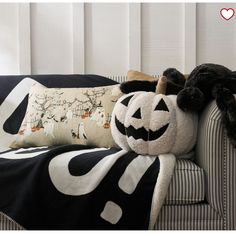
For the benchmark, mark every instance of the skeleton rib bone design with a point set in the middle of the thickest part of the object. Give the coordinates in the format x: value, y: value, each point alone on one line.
x: 11, y: 102
x: 79, y: 185
x: 139, y: 165
x: 23, y: 153
x: 69, y: 184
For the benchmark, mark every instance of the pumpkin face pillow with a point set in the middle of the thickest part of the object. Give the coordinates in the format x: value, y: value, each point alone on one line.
x: 150, y: 123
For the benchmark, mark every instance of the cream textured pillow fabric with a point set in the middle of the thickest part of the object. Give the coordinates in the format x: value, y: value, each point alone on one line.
x: 68, y: 116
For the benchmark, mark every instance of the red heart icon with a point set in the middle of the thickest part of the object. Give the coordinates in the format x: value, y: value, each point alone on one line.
x: 227, y: 13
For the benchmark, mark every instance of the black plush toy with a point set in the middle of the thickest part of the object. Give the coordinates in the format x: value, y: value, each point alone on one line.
x: 204, y: 83
x: 175, y: 83
x: 207, y: 82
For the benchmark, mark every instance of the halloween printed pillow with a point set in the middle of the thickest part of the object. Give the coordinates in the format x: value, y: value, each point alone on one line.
x: 152, y: 124
x: 57, y: 116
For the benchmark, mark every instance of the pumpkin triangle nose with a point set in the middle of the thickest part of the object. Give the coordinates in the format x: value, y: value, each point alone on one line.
x: 137, y: 114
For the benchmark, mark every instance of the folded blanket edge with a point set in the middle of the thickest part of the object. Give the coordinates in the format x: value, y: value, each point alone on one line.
x: 167, y: 165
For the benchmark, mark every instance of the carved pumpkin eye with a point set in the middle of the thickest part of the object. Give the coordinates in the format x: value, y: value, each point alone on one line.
x: 137, y: 114
x: 126, y: 100
x: 161, y: 106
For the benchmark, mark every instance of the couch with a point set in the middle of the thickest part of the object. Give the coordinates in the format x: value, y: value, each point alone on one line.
x: 215, y: 159
x: 202, y: 193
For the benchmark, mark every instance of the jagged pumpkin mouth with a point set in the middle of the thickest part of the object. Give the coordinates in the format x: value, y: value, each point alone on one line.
x: 140, y: 133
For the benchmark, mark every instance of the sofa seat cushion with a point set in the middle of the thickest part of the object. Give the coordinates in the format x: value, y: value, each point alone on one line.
x: 187, y: 185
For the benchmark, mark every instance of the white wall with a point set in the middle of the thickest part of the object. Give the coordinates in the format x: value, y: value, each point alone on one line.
x: 111, y: 38
x: 106, y: 34
x: 216, y: 38
x: 162, y: 36
x: 8, y: 38
x: 51, y: 38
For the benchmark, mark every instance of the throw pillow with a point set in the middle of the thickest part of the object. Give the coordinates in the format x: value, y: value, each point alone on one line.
x: 58, y: 116
x: 136, y: 75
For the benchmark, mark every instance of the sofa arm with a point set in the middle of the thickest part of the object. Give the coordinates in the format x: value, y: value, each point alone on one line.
x: 216, y: 155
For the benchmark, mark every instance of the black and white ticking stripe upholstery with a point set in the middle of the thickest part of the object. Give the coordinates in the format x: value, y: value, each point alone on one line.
x: 189, y: 217
x: 217, y: 157
x: 187, y: 185
x: 8, y: 224
x: 123, y: 78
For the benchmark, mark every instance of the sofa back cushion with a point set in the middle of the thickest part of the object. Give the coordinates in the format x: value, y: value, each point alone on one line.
x: 187, y: 185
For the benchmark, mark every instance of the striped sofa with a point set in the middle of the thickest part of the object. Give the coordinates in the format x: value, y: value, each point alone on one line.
x: 202, y: 194
x: 215, y: 159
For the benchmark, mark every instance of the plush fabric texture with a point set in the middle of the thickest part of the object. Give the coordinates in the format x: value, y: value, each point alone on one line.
x: 138, y: 81
x: 150, y: 123
x: 202, y: 85
x: 68, y: 116
x: 171, y: 73
x: 207, y: 82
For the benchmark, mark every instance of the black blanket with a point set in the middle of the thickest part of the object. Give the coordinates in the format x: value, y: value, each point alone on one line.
x: 77, y: 187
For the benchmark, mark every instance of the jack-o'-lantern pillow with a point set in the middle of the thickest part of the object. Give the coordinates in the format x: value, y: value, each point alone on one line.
x: 150, y: 123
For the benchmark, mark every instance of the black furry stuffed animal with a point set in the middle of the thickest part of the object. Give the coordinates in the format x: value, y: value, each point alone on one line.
x: 175, y: 83
x: 207, y: 82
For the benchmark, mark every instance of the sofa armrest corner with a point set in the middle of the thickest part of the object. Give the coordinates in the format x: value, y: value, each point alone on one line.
x: 217, y: 156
